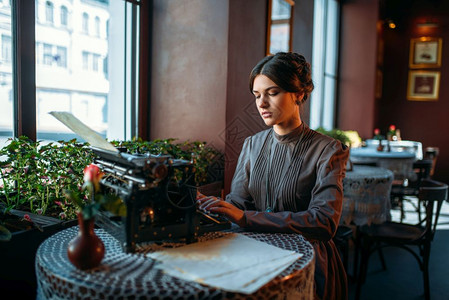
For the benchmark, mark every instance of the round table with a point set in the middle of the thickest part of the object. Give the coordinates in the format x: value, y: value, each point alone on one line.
x: 399, y: 162
x: 122, y: 275
x: 366, y: 195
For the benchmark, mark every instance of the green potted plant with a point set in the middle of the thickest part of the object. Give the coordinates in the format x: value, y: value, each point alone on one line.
x: 34, y: 176
x: 32, y: 202
x: 207, y: 160
x: 337, y: 134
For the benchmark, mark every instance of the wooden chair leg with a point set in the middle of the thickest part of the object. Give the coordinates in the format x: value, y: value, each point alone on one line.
x: 357, y: 250
x: 425, y: 270
x: 382, y: 258
x: 365, y: 254
x: 401, y: 206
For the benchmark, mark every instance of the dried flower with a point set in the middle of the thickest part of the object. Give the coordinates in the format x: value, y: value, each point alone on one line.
x: 91, y: 205
x: 27, y: 217
x: 92, y: 175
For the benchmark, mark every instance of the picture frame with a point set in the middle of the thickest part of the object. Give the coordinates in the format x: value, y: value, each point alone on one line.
x: 425, y: 52
x: 423, y: 85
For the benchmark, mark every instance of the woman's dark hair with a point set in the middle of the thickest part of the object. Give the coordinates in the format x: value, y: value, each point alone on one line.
x: 290, y: 71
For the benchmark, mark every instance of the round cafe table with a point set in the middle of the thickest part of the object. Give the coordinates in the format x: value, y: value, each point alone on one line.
x: 366, y: 193
x: 134, y: 276
x: 399, y: 162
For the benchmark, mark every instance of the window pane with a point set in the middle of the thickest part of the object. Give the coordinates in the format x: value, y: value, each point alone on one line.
x: 64, y: 16
x: 49, y: 12
x: 73, y: 73
x: 85, y: 23
x: 6, y: 92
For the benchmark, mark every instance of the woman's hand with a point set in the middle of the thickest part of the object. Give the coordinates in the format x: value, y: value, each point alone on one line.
x: 221, y: 207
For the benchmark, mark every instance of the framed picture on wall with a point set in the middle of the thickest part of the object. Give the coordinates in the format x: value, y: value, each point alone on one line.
x: 423, y: 85
x: 425, y: 52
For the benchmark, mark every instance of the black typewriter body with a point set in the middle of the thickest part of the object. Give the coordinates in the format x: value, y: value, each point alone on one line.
x: 160, y: 197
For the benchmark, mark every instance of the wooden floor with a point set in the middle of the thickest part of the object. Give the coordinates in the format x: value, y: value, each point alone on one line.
x: 403, y: 279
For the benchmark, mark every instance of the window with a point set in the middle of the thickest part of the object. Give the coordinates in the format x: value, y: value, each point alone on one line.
x: 51, y: 55
x: 324, y: 64
x: 280, y: 20
x: 48, y: 55
x: 64, y: 16
x: 95, y: 60
x: 6, y: 74
x: 78, y: 80
x: 97, y: 26
x: 91, y: 61
x: 6, y: 49
x: 49, y: 12
x: 104, y: 100
x: 61, y: 57
x: 85, y: 23
x: 85, y: 60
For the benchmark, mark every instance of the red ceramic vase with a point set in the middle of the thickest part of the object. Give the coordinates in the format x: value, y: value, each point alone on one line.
x: 86, y: 250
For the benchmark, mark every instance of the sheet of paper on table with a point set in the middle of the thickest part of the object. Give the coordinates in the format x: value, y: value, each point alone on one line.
x: 233, y: 262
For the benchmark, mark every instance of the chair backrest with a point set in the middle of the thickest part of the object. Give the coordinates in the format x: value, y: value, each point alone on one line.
x: 432, y: 194
x: 432, y: 154
x: 421, y: 169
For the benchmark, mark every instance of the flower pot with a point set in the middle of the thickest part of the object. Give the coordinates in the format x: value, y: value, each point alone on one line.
x: 86, y: 250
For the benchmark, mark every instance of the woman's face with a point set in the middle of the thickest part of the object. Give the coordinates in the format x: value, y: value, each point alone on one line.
x: 277, y: 107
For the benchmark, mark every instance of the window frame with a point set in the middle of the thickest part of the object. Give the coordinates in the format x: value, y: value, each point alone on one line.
x: 23, y: 13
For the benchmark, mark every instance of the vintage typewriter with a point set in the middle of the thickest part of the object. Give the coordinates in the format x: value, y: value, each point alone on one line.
x: 160, y: 198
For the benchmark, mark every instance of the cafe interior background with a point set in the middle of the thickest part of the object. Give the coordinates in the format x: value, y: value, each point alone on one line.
x: 179, y: 69
x: 159, y: 69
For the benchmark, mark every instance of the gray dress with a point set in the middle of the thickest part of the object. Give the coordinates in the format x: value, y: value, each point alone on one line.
x: 298, y: 178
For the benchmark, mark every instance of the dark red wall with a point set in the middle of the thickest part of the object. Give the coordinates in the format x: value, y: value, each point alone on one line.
x: 356, y: 82
x: 246, y: 46
x: 424, y: 121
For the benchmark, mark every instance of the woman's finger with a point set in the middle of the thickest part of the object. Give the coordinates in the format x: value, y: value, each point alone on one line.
x: 199, y: 195
x: 208, y: 202
x: 205, y: 198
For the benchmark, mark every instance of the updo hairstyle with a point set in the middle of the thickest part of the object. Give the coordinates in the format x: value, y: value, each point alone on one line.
x: 288, y: 70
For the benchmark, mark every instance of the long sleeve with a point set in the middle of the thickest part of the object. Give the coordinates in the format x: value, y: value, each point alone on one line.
x: 240, y: 195
x: 320, y: 220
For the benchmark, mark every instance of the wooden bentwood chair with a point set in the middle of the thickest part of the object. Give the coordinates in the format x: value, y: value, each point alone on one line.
x: 416, y: 239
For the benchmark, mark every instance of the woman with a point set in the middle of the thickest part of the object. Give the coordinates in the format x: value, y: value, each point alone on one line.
x: 289, y: 177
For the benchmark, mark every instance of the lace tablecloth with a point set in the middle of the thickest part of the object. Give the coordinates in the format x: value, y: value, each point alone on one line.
x: 134, y: 276
x: 366, y: 195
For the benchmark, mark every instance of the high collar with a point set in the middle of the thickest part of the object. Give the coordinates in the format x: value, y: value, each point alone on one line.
x: 292, y: 136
